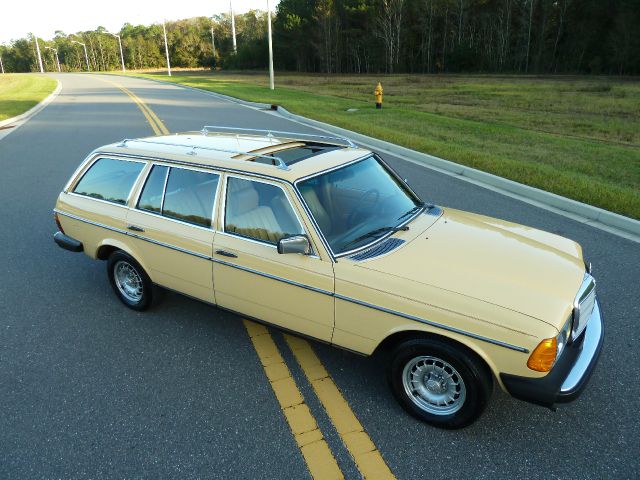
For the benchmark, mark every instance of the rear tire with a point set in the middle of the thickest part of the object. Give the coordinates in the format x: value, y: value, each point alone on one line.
x: 130, y: 282
x: 439, y: 383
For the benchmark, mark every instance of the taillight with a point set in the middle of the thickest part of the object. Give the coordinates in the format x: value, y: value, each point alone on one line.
x: 55, y: 217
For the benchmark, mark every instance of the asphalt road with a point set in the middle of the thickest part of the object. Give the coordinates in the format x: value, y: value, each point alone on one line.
x: 90, y: 389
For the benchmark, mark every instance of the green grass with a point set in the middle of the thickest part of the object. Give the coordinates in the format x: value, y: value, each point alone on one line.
x: 21, y: 91
x: 575, y: 136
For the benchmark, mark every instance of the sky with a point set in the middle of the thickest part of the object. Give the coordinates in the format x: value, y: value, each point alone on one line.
x: 44, y: 17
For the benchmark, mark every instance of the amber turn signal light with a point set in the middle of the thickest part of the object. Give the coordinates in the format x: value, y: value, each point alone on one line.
x: 544, y: 356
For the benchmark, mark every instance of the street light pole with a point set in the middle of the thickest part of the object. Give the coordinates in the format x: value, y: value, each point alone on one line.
x: 120, y: 43
x: 213, y: 42
x: 39, y: 56
x: 166, y: 48
x: 271, y: 81
x: 233, y: 28
x: 57, y: 60
x: 86, y: 57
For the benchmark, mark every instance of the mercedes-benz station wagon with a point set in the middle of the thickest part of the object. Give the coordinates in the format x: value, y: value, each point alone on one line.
x: 323, y: 239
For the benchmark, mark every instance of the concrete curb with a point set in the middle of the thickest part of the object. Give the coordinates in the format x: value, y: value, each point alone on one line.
x: 605, y: 220
x: 32, y: 111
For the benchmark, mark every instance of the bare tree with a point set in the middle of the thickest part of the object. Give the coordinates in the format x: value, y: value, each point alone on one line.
x: 390, y: 23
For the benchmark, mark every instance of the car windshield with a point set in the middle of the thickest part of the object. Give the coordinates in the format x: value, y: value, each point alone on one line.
x: 358, y: 203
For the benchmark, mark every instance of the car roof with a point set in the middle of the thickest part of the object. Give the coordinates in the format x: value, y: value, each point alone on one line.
x: 249, y: 153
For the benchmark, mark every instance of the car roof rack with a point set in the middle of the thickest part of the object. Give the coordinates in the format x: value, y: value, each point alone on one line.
x: 277, y: 133
x: 277, y: 161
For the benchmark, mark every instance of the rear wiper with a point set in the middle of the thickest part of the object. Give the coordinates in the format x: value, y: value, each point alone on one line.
x: 418, y: 207
x: 375, y: 233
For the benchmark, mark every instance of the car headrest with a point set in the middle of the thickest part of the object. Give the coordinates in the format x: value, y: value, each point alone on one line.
x: 242, y: 200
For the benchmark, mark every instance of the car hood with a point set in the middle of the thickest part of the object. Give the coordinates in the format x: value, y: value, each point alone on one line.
x: 512, y: 266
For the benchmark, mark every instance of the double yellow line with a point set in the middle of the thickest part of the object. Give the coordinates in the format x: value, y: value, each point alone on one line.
x: 314, y: 448
x: 156, y: 124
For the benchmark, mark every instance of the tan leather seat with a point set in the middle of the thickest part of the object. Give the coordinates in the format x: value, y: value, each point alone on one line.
x: 247, y: 218
x: 319, y: 213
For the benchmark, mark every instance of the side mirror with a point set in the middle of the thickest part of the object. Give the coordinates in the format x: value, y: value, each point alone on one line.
x: 295, y: 244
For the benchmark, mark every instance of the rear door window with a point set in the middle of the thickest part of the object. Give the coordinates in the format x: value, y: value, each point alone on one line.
x: 109, y: 179
x: 189, y: 196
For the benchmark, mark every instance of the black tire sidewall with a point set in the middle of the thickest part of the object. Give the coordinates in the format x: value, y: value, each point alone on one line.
x: 478, y: 382
x: 147, y: 285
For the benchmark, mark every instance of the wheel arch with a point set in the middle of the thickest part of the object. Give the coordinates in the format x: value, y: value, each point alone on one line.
x: 398, y: 337
x: 110, y: 245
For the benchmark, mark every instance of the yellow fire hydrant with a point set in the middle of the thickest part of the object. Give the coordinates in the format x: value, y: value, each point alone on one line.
x: 378, y: 94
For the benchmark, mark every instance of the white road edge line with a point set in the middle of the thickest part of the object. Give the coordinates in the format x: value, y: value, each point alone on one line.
x: 524, y: 193
x: 23, y: 118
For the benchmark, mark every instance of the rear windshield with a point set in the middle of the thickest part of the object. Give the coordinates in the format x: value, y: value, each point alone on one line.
x: 109, y: 179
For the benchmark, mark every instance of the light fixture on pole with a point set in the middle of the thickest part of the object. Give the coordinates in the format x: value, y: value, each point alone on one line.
x: 56, y: 53
x: 39, y: 56
x: 233, y: 28
x: 166, y: 48
x: 120, y: 43
x: 86, y: 57
x: 271, y: 81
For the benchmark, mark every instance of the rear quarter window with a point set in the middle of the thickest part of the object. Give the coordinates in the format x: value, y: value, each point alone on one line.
x: 109, y: 179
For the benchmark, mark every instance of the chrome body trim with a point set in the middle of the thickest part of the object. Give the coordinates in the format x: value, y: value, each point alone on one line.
x: 308, y: 287
x: 134, y: 235
x: 164, y: 187
x: 587, y: 288
x: 90, y: 222
x: 592, y: 338
x: 274, y: 277
x: 433, y: 324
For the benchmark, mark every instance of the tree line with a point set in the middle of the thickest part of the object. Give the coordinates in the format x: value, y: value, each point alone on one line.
x: 371, y: 36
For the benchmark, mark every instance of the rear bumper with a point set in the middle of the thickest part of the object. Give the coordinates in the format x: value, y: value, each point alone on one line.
x: 67, y: 242
x: 569, y: 376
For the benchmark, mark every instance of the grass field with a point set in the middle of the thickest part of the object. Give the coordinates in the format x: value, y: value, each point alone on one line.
x: 21, y: 91
x: 575, y: 136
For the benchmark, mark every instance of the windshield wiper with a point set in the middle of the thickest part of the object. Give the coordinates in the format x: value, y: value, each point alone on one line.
x: 418, y: 207
x: 375, y: 233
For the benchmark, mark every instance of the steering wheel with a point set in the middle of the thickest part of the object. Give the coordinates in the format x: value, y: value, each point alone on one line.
x: 361, y: 205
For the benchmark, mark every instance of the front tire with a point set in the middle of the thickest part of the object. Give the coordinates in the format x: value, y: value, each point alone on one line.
x: 439, y: 383
x: 130, y: 282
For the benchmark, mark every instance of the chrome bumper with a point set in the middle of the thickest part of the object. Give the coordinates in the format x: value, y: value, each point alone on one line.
x: 587, y: 357
x: 569, y: 376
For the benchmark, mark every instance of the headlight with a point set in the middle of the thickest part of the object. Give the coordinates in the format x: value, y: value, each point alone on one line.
x: 563, y: 336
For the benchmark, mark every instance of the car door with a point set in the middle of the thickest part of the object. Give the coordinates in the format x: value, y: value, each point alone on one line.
x: 172, y: 227
x: 293, y: 291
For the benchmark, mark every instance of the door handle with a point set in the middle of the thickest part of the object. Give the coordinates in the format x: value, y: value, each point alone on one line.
x: 135, y: 229
x: 226, y: 254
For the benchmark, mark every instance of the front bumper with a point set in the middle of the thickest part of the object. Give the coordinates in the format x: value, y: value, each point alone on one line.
x: 570, y: 374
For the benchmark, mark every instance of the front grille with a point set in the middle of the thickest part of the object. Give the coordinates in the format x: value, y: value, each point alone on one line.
x: 584, y: 304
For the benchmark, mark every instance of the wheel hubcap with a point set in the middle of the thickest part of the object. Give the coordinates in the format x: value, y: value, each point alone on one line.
x: 128, y: 281
x: 434, y: 385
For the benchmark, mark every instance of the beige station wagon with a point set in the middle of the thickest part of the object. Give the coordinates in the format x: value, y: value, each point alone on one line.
x: 318, y: 237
